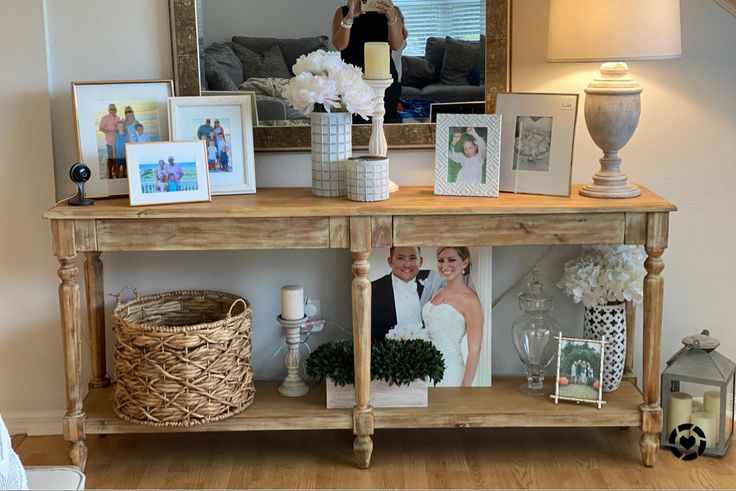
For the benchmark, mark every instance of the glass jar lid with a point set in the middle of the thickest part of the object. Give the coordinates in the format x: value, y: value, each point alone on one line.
x: 534, y: 298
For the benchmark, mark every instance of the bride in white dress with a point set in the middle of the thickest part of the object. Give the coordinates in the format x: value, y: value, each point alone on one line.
x: 452, y: 313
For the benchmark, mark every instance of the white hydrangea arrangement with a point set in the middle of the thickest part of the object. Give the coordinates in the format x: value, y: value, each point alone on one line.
x: 324, y: 82
x: 605, y: 274
x: 408, y: 331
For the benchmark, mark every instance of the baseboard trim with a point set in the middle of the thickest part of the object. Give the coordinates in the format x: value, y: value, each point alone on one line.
x: 34, y: 423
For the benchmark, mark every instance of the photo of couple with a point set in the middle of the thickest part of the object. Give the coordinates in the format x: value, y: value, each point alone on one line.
x: 440, y: 305
x: 163, y: 177
x: 216, y: 135
x: 137, y: 125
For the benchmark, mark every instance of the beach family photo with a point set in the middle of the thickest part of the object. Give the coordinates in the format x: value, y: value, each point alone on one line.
x: 467, y: 154
x: 110, y: 115
x: 432, y: 294
x: 167, y: 172
x: 533, y: 139
x: 580, y: 369
x: 225, y: 125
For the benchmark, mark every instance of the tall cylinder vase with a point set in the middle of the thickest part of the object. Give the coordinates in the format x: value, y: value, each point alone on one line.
x: 332, y: 144
x: 609, y: 321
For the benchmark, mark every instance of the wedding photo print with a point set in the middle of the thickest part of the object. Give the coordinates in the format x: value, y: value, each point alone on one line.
x: 579, y: 370
x: 167, y: 172
x: 224, y: 124
x: 441, y: 295
x: 537, y: 139
x: 467, y: 154
x: 108, y: 116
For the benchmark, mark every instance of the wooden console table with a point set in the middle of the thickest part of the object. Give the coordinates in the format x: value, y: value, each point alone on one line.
x: 291, y: 218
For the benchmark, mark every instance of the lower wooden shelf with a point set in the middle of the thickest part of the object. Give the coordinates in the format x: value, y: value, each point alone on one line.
x: 502, y: 405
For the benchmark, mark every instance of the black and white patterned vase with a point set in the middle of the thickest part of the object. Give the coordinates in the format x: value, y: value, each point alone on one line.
x: 609, y: 321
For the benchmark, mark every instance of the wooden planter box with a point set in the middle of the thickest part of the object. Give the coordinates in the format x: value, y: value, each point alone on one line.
x: 382, y: 395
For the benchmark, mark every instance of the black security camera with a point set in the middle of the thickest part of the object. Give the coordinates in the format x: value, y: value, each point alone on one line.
x: 79, y: 173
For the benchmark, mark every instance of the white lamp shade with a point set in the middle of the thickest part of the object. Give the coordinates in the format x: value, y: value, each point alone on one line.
x: 613, y: 30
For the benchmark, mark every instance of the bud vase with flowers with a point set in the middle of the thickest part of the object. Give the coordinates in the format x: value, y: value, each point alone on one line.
x: 329, y: 91
x: 603, y: 278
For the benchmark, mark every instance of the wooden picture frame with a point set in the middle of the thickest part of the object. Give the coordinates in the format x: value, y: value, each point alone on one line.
x: 167, y: 172
x: 537, y: 141
x: 580, y: 370
x: 231, y: 161
x: 95, y: 126
x: 467, y: 154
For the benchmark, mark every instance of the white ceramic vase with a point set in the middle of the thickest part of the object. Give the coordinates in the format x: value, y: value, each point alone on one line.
x: 332, y: 143
x: 609, y: 321
x: 367, y: 178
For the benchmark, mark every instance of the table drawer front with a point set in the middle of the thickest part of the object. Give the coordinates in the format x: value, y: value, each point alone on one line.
x: 476, y: 230
x: 216, y: 233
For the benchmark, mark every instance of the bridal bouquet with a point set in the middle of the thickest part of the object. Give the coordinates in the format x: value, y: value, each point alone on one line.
x: 408, y: 331
x: 606, y: 274
x: 325, y: 83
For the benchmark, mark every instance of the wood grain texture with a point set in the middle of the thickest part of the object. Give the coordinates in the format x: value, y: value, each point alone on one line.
x: 85, y: 233
x: 64, y: 243
x: 95, y: 290
x: 636, y: 228
x: 299, y: 202
x: 221, y: 233
x: 630, y: 342
x: 339, y: 232
x: 382, y: 235
x: 438, y: 230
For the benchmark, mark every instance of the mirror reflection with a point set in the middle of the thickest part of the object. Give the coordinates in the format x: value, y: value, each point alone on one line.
x: 438, y: 49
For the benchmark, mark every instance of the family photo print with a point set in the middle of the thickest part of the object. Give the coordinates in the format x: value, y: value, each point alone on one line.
x: 467, y: 154
x: 580, y: 370
x: 225, y: 125
x: 167, y: 172
x: 110, y: 114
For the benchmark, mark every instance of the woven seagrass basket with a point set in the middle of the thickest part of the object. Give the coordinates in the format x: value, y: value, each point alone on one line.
x: 182, y: 358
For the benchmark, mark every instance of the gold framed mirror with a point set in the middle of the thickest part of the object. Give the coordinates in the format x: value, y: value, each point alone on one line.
x: 186, y: 61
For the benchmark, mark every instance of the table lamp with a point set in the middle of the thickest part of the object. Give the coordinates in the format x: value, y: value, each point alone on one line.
x: 612, y: 31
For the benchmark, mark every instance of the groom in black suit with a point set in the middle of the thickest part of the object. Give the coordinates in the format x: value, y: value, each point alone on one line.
x: 395, y: 297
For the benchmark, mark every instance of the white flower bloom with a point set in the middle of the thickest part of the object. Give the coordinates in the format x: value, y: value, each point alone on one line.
x: 605, y: 274
x: 408, y: 331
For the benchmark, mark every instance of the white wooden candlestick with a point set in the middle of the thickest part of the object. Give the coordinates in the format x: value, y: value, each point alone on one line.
x: 377, y: 145
x: 293, y: 385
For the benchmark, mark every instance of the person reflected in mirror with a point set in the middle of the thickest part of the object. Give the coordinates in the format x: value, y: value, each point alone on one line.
x: 454, y: 313
x: 352, y: 27
x: 471, y: 158
x: 395, y: 297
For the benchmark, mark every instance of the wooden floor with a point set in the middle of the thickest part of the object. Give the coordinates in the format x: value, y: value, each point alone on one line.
x: 437, y: 458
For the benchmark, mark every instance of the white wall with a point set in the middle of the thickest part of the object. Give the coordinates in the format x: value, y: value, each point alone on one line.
x: 684, y: 149
x: 223, y: 19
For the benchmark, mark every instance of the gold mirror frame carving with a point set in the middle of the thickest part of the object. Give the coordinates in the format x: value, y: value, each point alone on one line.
x: 185, y: 51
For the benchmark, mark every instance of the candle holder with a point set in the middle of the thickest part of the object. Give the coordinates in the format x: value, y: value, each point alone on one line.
x: 293, y: 385
x: 377, y: 145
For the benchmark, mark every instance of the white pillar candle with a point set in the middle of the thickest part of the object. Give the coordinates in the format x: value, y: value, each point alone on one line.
x: 680, y: 406
x: 292, y: 302
x: 377, y: 61
x: 712, y: 404
x: 707, y: 423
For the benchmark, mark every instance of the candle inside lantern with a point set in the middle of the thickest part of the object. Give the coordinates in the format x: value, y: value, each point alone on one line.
x: 377, y: 61
x: 712, y: 404
x: 679, y: 410
x: 707, y: 423
x: 292, y: 302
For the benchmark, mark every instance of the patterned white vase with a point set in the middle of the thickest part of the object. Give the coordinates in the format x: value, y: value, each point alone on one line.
x: 609, y: 321
x: 332, y: 143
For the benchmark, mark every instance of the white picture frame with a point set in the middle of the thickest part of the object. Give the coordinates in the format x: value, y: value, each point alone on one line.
x: 537, y: 141
x: 579, y: 370
x: 181, y: 164
x: 96, y: 146
x: 463, y: 167
x: 234, y: 172
x: 249, y: 93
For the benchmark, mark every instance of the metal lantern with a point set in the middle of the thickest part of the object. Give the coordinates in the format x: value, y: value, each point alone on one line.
x: 698, y: 388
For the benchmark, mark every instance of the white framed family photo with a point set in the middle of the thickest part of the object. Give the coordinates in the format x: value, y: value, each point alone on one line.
x: 110, y: 114
x: 167, y: 172
x: 467, y: 154
x: 537, y: 140
x: 225, y: 125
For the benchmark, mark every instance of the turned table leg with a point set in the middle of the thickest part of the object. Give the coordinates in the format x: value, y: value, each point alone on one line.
x: 657, y: 229
x: 94, y: 289
x: 362, y: 412
x: 70, y: 306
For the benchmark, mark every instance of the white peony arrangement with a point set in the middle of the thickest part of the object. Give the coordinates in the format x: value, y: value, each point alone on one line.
x: 408, y: 331
x: 323, y: 81
x: 605, y: 274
